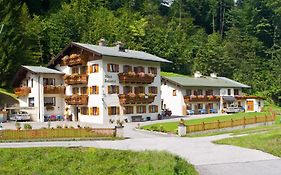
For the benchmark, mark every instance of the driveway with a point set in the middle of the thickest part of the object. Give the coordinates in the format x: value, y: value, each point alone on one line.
x: 208, y: 158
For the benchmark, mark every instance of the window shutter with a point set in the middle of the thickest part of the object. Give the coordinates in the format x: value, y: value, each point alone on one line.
x: 109, y: 110
x: 90, y: 89
x: 156, y: 106
x: 150, y: 109
x: 96, y: 68
x: 117, y: 110
x: 117, y: 67
x: 117, y: 89
x: 90, y: 69
x: 108, y: 67
x: 97, y: 89
x: 108, y: 90
x: 98, y: 111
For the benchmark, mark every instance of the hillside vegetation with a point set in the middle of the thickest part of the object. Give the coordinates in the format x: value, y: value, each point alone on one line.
x: 238, y: 40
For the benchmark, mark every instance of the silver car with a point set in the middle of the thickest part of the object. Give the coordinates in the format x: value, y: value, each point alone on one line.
x: 232, y: 109
x: 20, y: 116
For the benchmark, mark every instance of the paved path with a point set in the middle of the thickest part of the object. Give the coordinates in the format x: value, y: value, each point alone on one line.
x: 208, y: 158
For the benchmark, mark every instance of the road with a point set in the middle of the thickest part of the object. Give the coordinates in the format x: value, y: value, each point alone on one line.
x: 208, y: 158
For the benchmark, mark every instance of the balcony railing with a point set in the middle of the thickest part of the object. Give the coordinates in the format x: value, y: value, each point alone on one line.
x: 77, y: 100
x: 50, y: 89
x: 132, y: 77
x: 76, y: 79
x: 73, y: 60
x: 22, y: 91
x: 201, y: 98
x: 136, y: 99
x: 238, y: 97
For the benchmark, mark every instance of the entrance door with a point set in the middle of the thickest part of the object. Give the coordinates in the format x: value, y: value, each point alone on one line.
x: 250, y: 105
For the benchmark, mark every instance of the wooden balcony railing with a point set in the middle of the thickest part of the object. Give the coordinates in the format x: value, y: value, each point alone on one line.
x: 22, y: 91
x: 238, y: 97
x: 77, y: 100
x: 201, y: 98
x: 136, y: 99
x: 132, y: 77
x: 76, y: 79
x: 50, y: 89
x: 73, y: 60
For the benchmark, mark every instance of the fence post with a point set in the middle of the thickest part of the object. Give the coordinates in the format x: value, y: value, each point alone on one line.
x: 244, y: 122
x: 255, y: 119
x: 218, y: 124
x: 232, y: 123
x: 203, y: 126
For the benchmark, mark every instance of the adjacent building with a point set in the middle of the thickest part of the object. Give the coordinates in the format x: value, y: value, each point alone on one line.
x: 98, y: 84
x: 205, y: 94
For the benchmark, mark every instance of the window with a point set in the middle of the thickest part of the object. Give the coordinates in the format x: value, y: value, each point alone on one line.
x: 113, y: 110
x: 174, y: 92
x: 188, y: 92
x: 84, y: 90
x: 93, y: 111
x: 84, y: 110
x: 113, y: 89
x: 200, y: 106
x: 139, y: 89
x: 139, y: 69
x: 209, y: 92
x: 31, y: 102
x: 112, y: 68
x: 236, y: 91
x: 129, y: 110
x: 84, y: 70
x: 153, y: 109
x: 152, y: 90
x: 75, y: 90
x: 152, y: 70
x: 94, y: 68
x: 211, y: 105
x: 49, y: 101
x: 94, y: 90
x: 127, y: 89
x: 48, y: 81
x: 198, y: 92
x: 141, y: 109
x: 75, y: 70
x: 228, y: 91
x: 127, y: 68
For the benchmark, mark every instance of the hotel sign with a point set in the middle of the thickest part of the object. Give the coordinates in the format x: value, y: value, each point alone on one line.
x: 109, y: 79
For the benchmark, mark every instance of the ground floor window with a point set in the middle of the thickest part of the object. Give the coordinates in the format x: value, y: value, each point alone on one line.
x: 153, y: 109
x: 49, y: 101
x: 141, y: 109
x: 94, y: 111
x: 31, y: 102
x: 84, y: 110
x: 128, y: 110
x: 113, y: 110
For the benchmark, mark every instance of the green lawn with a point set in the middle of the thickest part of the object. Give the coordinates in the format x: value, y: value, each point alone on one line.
x: 68, y: 161
x: 267, y: 139
x: 172, y: 126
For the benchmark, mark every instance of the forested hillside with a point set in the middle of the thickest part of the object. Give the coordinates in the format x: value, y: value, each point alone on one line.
x: 238, y: 40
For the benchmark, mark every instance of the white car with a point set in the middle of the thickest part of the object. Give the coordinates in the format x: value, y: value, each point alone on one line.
x: 234, y: 109
x: 20, y: 116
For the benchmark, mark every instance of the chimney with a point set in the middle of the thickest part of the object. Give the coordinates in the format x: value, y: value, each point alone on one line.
x: 214, y: 75
x: 102, y: 42
x: 120, y: 46
x: 197, y: 74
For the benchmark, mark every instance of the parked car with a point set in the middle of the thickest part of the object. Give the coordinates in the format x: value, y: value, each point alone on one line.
x: 166, y: 113
x: 234, y: 109
x: 20, y: 116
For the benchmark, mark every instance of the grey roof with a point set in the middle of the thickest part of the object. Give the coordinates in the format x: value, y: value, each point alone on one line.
x: 114, y: 51
x: 205, y: 81
x: 42, y: 70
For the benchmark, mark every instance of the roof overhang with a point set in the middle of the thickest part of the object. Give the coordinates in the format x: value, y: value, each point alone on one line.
x: 229, y: 99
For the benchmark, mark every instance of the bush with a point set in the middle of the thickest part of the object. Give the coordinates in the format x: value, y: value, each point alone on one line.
x: 27, y: 126
x: 65, y: 126
x: 59, y: 126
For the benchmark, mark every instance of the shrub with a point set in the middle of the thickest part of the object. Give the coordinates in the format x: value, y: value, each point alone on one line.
x: 161, y: 128
x: 27, y: 126
x: 59, y: 126
x: 65, y: 126
x: 153, y: 128
x: 72, y: 127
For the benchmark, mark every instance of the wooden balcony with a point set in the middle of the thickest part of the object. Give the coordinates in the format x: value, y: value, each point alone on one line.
x: 73, y: 60
x: 50, y: 89
x: 201, y: 98
x: 238, y: 97
x: 136, y: 99
x: 22, y: 91
x: 139, y: 78
x: 77, y: 100
x: 76, y: 79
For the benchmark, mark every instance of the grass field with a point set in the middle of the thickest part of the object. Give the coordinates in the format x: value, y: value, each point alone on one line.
x: 76, y: 161
x: 172, y: 126
x: 267, y: 139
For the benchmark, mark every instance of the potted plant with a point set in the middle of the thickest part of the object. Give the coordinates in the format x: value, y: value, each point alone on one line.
x: 141, y: 95
x: 131, y: 74
x: 141, y: 74
x: 132, y: 95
